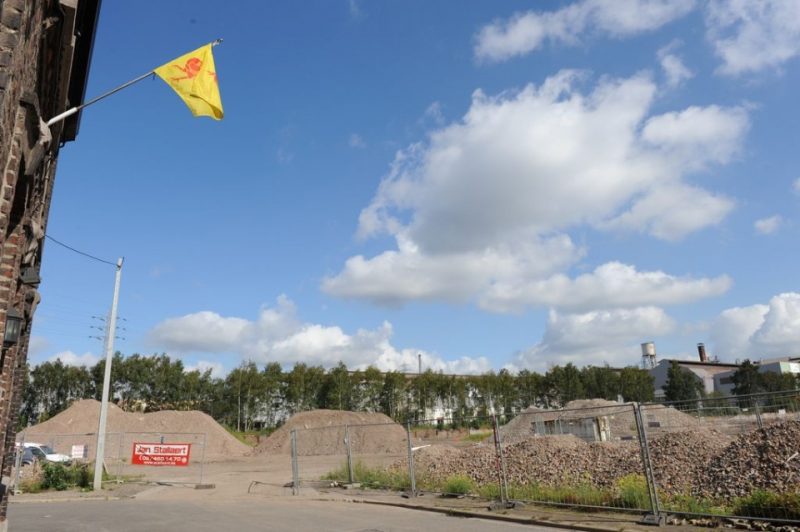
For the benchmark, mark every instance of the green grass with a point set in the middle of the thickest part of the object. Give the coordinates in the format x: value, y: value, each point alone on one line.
x: 476, y: 438
x: 458, y: 485
x: 763, y: 503
x: 243, y: 435
x: 628, y: 492
x: 371, y: 477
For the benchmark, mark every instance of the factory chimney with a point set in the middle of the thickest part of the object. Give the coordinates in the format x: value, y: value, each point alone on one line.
x: 701, y: 350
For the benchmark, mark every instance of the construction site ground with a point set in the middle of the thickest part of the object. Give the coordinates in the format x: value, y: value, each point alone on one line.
x: 252, y: 490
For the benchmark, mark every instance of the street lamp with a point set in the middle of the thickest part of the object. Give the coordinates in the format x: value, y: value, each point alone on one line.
x: 13, y: 327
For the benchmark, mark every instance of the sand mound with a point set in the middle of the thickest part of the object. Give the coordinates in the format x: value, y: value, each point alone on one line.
x: 79, y: 422
x: 321, y: 432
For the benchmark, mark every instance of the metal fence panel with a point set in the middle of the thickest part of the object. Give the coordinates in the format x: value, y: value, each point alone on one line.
x: 118, y: 455
x: 735, y: 457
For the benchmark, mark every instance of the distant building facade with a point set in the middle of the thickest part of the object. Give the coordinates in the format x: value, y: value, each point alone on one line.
x: 706, y: 372
x: 45, y: 49
x: 723, y: 382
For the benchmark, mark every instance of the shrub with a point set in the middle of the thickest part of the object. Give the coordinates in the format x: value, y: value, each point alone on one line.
x: 458, y: 485
x: 54, y: 476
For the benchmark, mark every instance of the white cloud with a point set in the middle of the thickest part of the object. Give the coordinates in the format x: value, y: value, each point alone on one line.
x: 485, y: 203
x: 217, y: 369
x: 434, y: 113
x: 525, y: 32
x: 394, y: 277
x: 767, y: 226
x: 752, y: 36
x: 796, y: 186
x: 70, y: 358
x: 758, y: 331
x: 602, y: 336
x: 698, y: 136
x: 356, y: 141
x: 610, y: 285
x: 674, y: 69
x: 201, y: 328
x: 673, y: 211
x: 277, y: 335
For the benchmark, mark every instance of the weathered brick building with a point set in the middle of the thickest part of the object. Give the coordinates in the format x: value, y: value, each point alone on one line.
x: 45, y: 49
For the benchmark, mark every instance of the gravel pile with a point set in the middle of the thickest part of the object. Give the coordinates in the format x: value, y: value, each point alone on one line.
x: 321, y: 432
x: 680, y: 459
x: 77, y: 425
x: 764, y: 458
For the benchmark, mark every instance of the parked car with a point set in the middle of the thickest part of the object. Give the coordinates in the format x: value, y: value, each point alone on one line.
x: 27, y: 456
x: 43, y: 452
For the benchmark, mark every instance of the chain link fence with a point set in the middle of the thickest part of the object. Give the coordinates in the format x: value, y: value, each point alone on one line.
x: 720, y: 458
x: 185, y: 466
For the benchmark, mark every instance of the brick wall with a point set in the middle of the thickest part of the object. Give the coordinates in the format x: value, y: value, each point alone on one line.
x: 28, y: 151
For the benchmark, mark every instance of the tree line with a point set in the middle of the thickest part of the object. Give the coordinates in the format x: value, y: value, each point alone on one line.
x: 255, y: 397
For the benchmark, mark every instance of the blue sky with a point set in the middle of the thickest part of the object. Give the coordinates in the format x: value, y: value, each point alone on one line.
x: 487, y: 185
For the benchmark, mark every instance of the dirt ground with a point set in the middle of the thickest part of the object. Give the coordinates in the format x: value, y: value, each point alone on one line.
x: 263, y: 482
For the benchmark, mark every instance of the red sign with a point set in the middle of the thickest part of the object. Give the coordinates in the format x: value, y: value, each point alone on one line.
x: 161, y: 454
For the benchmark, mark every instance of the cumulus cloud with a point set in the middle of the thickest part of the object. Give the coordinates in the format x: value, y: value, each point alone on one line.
x: 675, y: 71
x: 767, y: 226
x: 278, y: 335
x: 485, y: 203
x: 672, y: 211
x: 217, y: 369
x: 610, y: 285
x: 601, y: 336
x: 70, y: 358
x: 753, y: 36
x: 759, y: 330
x: 394, y: 277
x: 525, y: 32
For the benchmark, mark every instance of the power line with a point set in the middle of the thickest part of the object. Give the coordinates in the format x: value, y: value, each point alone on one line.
x: 80, y: 252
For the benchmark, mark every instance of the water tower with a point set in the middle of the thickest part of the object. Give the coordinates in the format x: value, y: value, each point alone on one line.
x: 648, y: 355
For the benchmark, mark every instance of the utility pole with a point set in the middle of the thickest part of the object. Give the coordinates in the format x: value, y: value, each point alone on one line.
x: 101, y: 429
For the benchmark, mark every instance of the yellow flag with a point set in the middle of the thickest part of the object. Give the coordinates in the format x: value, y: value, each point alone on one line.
x: 194, y: 77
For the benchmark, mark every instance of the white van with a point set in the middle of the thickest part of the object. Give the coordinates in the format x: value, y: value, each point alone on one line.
x: 43, y: 452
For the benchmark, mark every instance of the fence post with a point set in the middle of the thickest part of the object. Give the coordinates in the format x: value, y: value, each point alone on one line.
x: 759, y: 421
x: 501, y: 477
x: 295, y: 474
x: 350, y: 475
x: 120, y: 458
x: 18, y: 464
x: 203, y: 456
x: 655, y: 517
x: 411, y: 474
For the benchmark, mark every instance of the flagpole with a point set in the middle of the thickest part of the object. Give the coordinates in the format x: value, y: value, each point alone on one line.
x: 70, y: 112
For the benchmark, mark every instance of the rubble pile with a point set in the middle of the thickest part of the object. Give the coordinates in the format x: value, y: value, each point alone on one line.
x: 767, y: 458
x: 681, y: 458
x: 703, y: 463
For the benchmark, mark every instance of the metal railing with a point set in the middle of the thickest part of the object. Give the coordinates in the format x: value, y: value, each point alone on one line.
x: 733, y: 457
